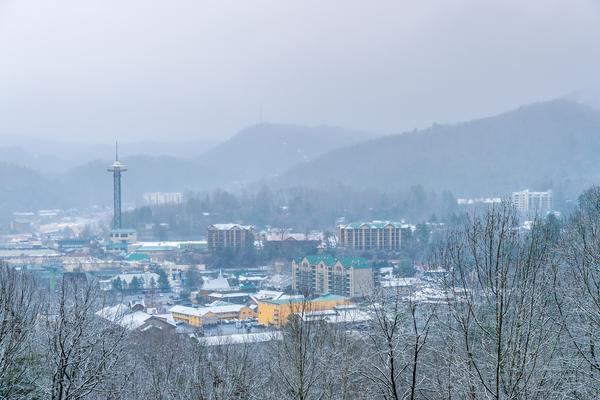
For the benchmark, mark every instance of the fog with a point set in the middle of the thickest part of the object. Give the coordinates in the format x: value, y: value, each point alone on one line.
x: 190, y: 70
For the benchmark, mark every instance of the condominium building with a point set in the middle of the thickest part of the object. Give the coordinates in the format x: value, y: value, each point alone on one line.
x: 527, y: 202
x: 163, y: 198
x: 376, y: 235
x: 321, y: 274
x: 229, y: 236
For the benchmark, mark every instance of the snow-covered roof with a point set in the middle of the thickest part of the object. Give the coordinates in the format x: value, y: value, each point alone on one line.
x: 282, y: 236
x: 219, y: 303
x: 218, y: 295
x: 167, y: 245
x: 134, y: 320
x: 240, y: 338
x: 186, y: 311
x: 243, y: 278
x: 340, y: 314
x: 219, y: 283
x: 202, y: 311
x: 267, y: 294
x: 400, y: 282
x: 166, y: 317
x: 290, y: 297
x: 226, y: 227
x: 8, y: 253
x: 121, y: 314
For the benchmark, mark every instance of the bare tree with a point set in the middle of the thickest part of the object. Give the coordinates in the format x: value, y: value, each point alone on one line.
x: 227, y: 371
x: 82, y: 349
x: 394, y: 344
x: 577, y: 293
x: 501, y: 337
x: 19, y: 306
x: 298, y: 360
x: 343, y: 358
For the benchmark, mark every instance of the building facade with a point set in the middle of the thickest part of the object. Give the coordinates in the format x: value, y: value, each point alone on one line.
x: 284, y: 244
x: 321, y: 274
x: 229, y: 236
x: 163, y: 198
x: 276, y: 312
x: 532, y: 203
x: 121, y: 239
x: 211, y: 315
x: 376, y: 235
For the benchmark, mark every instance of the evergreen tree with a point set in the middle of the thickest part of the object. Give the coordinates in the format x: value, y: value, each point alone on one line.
x: 117, y: 284
x: 163, y: 280
x: 193, y: 280
x: 135, y: 284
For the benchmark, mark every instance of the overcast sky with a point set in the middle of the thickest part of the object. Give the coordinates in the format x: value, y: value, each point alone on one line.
x: 191, y: 69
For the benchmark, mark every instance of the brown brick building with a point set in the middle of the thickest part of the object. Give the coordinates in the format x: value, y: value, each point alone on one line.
x: 376, y: 235
x: 229, y: 236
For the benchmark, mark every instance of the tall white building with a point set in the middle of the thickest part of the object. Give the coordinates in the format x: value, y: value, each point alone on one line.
x: 527, y: 202
x: 163, y: 198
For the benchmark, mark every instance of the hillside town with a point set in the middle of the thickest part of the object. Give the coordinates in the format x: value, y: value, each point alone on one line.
x: 180, y: 286
x: 299, y: 200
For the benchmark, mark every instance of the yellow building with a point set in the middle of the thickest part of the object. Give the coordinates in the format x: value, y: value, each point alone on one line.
x: 210, y: 315
x: 276, y: 312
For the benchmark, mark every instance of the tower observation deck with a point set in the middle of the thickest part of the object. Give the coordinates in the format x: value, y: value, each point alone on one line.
x: 117, y: 168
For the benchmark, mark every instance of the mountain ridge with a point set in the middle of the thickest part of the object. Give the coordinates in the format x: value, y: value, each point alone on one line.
x: 478, y: 157
x: 270, y: 149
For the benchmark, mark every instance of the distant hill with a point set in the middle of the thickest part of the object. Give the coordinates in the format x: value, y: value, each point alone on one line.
x: 90, y: 183
x: 256, y: 153
x: 19, y: 157
x: 552, y: 144
x: 55, y: 157
x: 267, y: 150
x: 23, y: 189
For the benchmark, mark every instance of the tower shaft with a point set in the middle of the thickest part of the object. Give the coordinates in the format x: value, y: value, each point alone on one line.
x: 117, y: 168
x: 117, y: 199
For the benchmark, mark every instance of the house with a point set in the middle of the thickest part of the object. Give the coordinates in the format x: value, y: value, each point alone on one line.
x: 233, y: 297
x: 343, y: 314
x: 218, y: 284
x: 400, y: 286
x: 265, y: 295
x: 134, y: 319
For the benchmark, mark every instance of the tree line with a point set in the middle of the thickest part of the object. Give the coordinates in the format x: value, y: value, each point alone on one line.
x: 299, y: 208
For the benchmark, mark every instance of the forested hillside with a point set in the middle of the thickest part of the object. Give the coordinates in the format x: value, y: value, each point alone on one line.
x: 551, y: 145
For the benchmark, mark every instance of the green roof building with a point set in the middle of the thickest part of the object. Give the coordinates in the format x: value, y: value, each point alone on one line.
x: 328, y: 275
